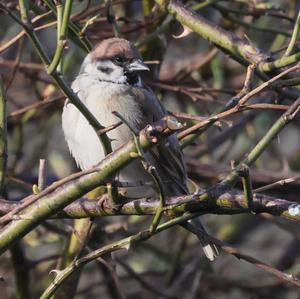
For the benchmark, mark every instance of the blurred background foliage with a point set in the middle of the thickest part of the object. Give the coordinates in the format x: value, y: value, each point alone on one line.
x: 189, y: 75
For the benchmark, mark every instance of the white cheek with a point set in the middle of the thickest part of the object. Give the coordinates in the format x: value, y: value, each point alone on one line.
x: 116, y: 73
x: 93, y: 69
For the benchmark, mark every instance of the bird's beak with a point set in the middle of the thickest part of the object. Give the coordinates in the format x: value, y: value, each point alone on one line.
x: 137, y: 66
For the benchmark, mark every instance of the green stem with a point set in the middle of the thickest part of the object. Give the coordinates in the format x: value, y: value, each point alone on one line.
x: 88, y: 23
x: 293, y: 40
x: 74, y: 247
x: 82, y: 41
x: 59, y: 10
x: 3, y: 135
x: 85, y: 111
x: 227, y: 201
x: 60, y: 66
x: 153, y: 173
x: 264, y: 142
x: 24, y: 11
x: 162, y: 200
x: 279, y: 63
x: 61, y: 33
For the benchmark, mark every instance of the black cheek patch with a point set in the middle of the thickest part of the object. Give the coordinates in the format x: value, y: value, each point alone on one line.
x: 132, y: 78
x: 105, y: 70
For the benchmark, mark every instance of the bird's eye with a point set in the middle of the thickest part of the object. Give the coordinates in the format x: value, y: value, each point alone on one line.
x: 118, y: 59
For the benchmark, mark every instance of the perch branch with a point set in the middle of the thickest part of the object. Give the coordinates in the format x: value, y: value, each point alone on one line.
x: 53, y: 202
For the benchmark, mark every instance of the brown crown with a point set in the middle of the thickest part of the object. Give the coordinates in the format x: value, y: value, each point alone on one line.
x: 113, y: 47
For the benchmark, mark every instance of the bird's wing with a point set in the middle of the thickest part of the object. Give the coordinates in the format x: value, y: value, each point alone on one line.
x: 167, y: 157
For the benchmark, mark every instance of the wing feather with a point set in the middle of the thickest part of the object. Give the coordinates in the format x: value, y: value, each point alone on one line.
x: 167, y: 157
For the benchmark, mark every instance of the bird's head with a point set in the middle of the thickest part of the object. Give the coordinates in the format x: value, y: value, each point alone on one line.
x: 114, y: 60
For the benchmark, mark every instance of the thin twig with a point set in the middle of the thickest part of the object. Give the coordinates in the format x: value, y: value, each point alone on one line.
x: 153, y: 289
x: 42, y: 175
x: 277, y: 184
x: 266, y: 84
x: 246, y: 88
x: 238, y: 107
x: 125, y: 243
x: 16, y: 64
x: 287, y: 117
x: 23, y: 33
x: 291, y: 46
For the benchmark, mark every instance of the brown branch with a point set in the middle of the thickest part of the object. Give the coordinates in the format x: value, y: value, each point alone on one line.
x: 222, y: 200
x: 240, y: 255
x: 280, y: 183
x: 211, y: 172
x: 15, y: 115
x: 59, y: 195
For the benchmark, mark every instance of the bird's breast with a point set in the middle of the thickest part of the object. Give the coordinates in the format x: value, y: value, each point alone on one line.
x: 102, y: 100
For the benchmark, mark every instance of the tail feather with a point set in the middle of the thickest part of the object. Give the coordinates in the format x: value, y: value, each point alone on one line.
x: 209, y: 248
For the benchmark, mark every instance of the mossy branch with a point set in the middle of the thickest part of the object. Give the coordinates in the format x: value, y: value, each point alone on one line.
x: 227, y: 201
x: 240, y: 49
x: 226, y: 40
x: 51, y: 203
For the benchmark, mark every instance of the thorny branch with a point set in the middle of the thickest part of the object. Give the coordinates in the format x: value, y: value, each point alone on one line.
x: 50, y: 201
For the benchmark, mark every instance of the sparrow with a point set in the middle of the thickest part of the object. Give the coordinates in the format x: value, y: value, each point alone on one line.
x: 110, y: 81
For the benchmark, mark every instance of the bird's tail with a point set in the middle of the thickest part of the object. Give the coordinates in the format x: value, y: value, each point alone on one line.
x: 209, y: 248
